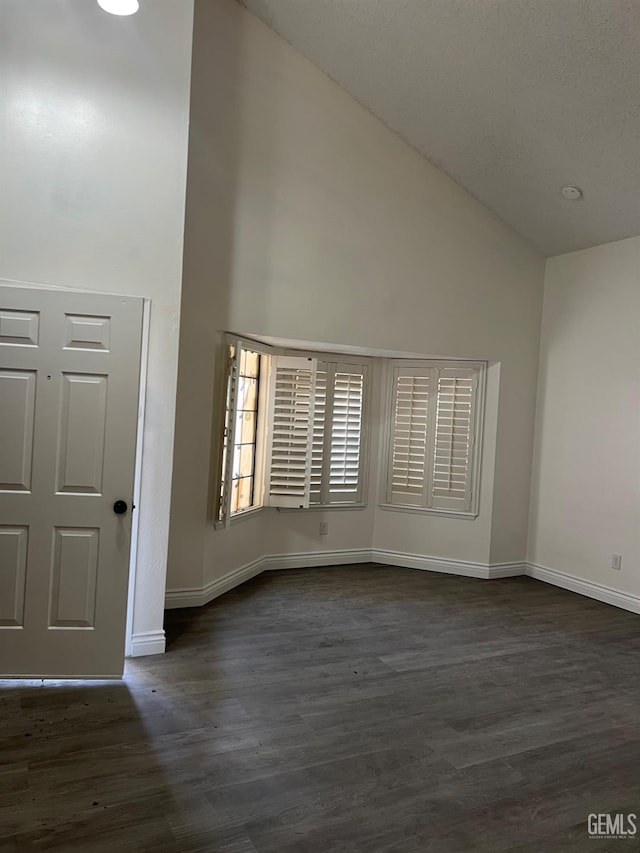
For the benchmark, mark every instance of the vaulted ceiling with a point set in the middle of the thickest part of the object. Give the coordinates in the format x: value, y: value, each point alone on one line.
x: 511, y: 98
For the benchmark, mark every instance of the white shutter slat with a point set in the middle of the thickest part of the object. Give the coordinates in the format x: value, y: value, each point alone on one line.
x: 317, y: 445
x: 346, y: 432
x: 292, y: 396
x: 408, y: 451
x: 453, y: 445
x: 337, y: 439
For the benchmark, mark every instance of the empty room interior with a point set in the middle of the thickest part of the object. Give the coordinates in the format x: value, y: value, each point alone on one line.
x: 320, y: 426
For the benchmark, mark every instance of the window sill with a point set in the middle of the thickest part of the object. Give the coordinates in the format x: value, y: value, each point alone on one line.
x: 443, y: 513
x: 322, y: 507
x: 240, y: 516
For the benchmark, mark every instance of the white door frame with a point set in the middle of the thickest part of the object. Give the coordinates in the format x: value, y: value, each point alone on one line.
x: 137, y: 479
x: 142, y: 396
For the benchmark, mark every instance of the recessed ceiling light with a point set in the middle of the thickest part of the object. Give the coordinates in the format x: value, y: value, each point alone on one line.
x: 119, y: 7
x: 572, y: 192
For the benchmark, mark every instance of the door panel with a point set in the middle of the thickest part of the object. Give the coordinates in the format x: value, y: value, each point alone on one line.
x: 18, y: 396
x: 13, y: 560
x: 19, y: 327
x: 69, y: 377
x: 73, y: 581
x: 88, y: 332
x: 83, y: 410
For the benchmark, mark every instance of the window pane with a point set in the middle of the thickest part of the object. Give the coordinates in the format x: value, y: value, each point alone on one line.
x: 246, y: 460
x: 247, y: 393
x: 251, y: 363
x: 240, y: 438
x: 244, y: 490
x: 234, y: 495
x: 227, y: 434
x: 246, y: 428
x: 243, y: 456
x: 221, y: 495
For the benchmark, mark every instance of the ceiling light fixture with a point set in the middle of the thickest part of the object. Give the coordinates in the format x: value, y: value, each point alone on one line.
x: 572, y: 192
x: 119, y: 7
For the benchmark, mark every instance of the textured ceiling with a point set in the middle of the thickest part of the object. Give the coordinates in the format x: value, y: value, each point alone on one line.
x: 511, y: 98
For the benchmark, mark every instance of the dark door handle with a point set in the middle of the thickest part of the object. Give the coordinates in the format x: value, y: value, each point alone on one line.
x: 120, y: 507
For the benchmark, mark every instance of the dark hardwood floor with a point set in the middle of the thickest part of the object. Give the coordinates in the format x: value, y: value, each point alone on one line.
x: 362, y: 708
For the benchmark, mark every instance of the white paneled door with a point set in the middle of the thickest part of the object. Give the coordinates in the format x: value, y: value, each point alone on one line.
x: 69, y: 378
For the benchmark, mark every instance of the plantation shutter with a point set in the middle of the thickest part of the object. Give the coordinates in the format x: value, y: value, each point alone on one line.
x: 290, y: 431
x: 410, y: 451
x: 346, y: 433
x: 336, y: 454
x: 451, y: 486
x: 318, y: 440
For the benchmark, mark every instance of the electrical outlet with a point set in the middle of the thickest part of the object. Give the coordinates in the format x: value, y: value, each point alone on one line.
x: 616, y: 562
x: 324, y: 528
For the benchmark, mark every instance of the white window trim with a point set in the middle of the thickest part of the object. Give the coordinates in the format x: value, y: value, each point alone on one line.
x: 386, y: 403
x: 325, y: 507
x: 422, y: 510
x: 242, y: 515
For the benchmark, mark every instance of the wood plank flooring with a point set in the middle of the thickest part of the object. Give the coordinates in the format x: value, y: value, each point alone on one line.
x: 360, y: 708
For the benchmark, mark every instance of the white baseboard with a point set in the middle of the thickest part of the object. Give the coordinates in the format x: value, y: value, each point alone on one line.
x: 147, y: 643
x: 463, y: 568
x: 307, y: 559
x: 175, y: 598
x: 506, y: 570
x: 607, y: 594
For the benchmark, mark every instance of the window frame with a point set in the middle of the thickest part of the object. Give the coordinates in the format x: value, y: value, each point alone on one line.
x: 223, y: 517
x: 221, y: 508
x: 387, y: 408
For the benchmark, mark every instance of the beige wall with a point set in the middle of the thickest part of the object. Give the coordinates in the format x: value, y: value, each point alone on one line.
x: 93, y: 171
x: 308, y: 219
x: 585, y: 502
